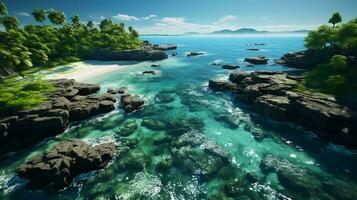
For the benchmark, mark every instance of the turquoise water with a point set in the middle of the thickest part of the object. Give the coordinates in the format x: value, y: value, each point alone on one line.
x: 301, y: 165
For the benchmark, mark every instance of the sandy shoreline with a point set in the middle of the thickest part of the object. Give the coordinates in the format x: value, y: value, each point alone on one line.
x: 82, y: 71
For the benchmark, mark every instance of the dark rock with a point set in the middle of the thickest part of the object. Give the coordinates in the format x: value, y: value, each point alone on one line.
x: 121, y: 90
x: 230, y: 66
x: 163, y: 97
x: 260, y: 60
x: 165, y: 163
x: 149, y: 72
x: 271, y: 94
x: 145, y: 53
x: 165, y: 47
x: 63, y: 162
x: 70, y: 101
x: 174, y: 54
x: 234, y: 188
x: 131, y: 103
x: 155, y: 65
x: 191, y: 54
x: 135, y: 160
x: 253, y: 49
x: 128, y: 128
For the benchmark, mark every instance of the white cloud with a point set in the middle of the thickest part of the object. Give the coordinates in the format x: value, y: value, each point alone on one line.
x: 102, y: 17
x: 179, y: 25
x: 149, y: 17
x: 23, y: 14
x: 124, y: 17
x: 227, y: 18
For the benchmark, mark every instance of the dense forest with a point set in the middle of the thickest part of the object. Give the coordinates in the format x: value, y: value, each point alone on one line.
x: 335, y: 49
x: 60, y: 42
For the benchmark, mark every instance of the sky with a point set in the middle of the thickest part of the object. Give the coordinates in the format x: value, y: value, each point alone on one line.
x: 203, y: 16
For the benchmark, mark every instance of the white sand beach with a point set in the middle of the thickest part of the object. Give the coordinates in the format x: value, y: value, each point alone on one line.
x: 81, y: 71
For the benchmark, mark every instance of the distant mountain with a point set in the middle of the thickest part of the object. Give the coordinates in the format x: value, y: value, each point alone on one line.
x: 239, y: 31
x: 253, y: 31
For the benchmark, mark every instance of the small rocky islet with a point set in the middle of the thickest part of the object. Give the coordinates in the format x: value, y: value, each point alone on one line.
x: 178, y: 145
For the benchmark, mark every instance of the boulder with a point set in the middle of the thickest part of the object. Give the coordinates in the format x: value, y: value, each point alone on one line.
x: 230, y: 67
x: 154, y: 65
x: 253, y: 49
x: 131, y: 103
x: 260, y: 60
x: 220, y: 85
x: 191, y: 54
x: 149, y: 72
x: 153, y: 124
x: 121, y: 90
x: 57, y: 167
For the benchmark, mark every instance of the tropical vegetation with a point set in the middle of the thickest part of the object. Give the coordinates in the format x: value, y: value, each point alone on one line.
x: 335, y: 47
x: 50, y: 45
x: 51, y: 42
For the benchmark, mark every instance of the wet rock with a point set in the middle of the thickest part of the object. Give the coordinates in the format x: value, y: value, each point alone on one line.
x: 162, y: 140
x: 192, y: 138
x: 272, y: 95
x: 174, y: 54
x: 253, y: 49
x: 121, y: 90
x: 149, y: 72
x: 153, y: 124
x: 155, y: 65
x: 165, y: 47
x: 70, y: 101
x: 191, y: 54
x: 260, y: 60
x: 63, y: 162
x: 146, y: 53
x: 221, y: 85
x: 230, y: 67
x: 179, y: 126
x: 131, y: 103
x: 228, y: 120
x: 212, y: 148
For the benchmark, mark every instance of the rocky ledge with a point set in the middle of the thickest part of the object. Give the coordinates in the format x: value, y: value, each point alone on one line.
x: 260, y: 60
x: 57, y: 167
x: 272, y: 94
x: 71, y: 101
x: 165, y: 47
x: 145, y: 53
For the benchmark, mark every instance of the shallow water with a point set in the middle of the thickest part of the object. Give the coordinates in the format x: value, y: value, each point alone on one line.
x: 298, y: 164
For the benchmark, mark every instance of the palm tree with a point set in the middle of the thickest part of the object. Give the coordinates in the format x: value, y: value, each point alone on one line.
x: 76, y: 21
x: 39, y: 15
x: 90, y: 25
x: 105, y: 24
x: 3, y: 9
x: 56, y: 17
x: 11, y: 23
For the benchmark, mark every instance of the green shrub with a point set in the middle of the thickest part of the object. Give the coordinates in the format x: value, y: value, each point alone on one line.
x: 23, y: 94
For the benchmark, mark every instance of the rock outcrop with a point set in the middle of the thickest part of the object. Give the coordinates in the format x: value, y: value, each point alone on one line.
x: 272, y: 94
x: 191, y: 54
x: 71, y: 101
x: 260, y: 60
x: 131, y: 103
x: 145, y: 53
x: 165, y: 47
x: 230, y: 67
x: 58, y: 166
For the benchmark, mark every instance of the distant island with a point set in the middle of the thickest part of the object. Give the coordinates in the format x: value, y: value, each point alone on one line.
x: 249, y: 31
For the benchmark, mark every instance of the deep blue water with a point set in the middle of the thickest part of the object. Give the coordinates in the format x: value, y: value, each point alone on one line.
x: 306, y: 167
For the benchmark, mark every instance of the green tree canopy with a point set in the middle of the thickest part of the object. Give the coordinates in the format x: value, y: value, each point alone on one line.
x: 76, y: 21
x: 105, y: 24
x: 90, y: 25
x: 56, y: 17
x: 335, y: 19
x: 10, y: 22
x: 39, y: 15
x: 3, y: 9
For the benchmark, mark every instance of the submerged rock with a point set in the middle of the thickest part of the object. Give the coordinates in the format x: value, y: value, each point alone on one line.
x: 128, y: 128
x: 63, y: 162
x: 228, y: 120
x: 153, y: 124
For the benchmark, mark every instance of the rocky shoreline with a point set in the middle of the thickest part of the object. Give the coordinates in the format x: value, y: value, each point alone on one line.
x: 71, y: 101
x: 272, y: 94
